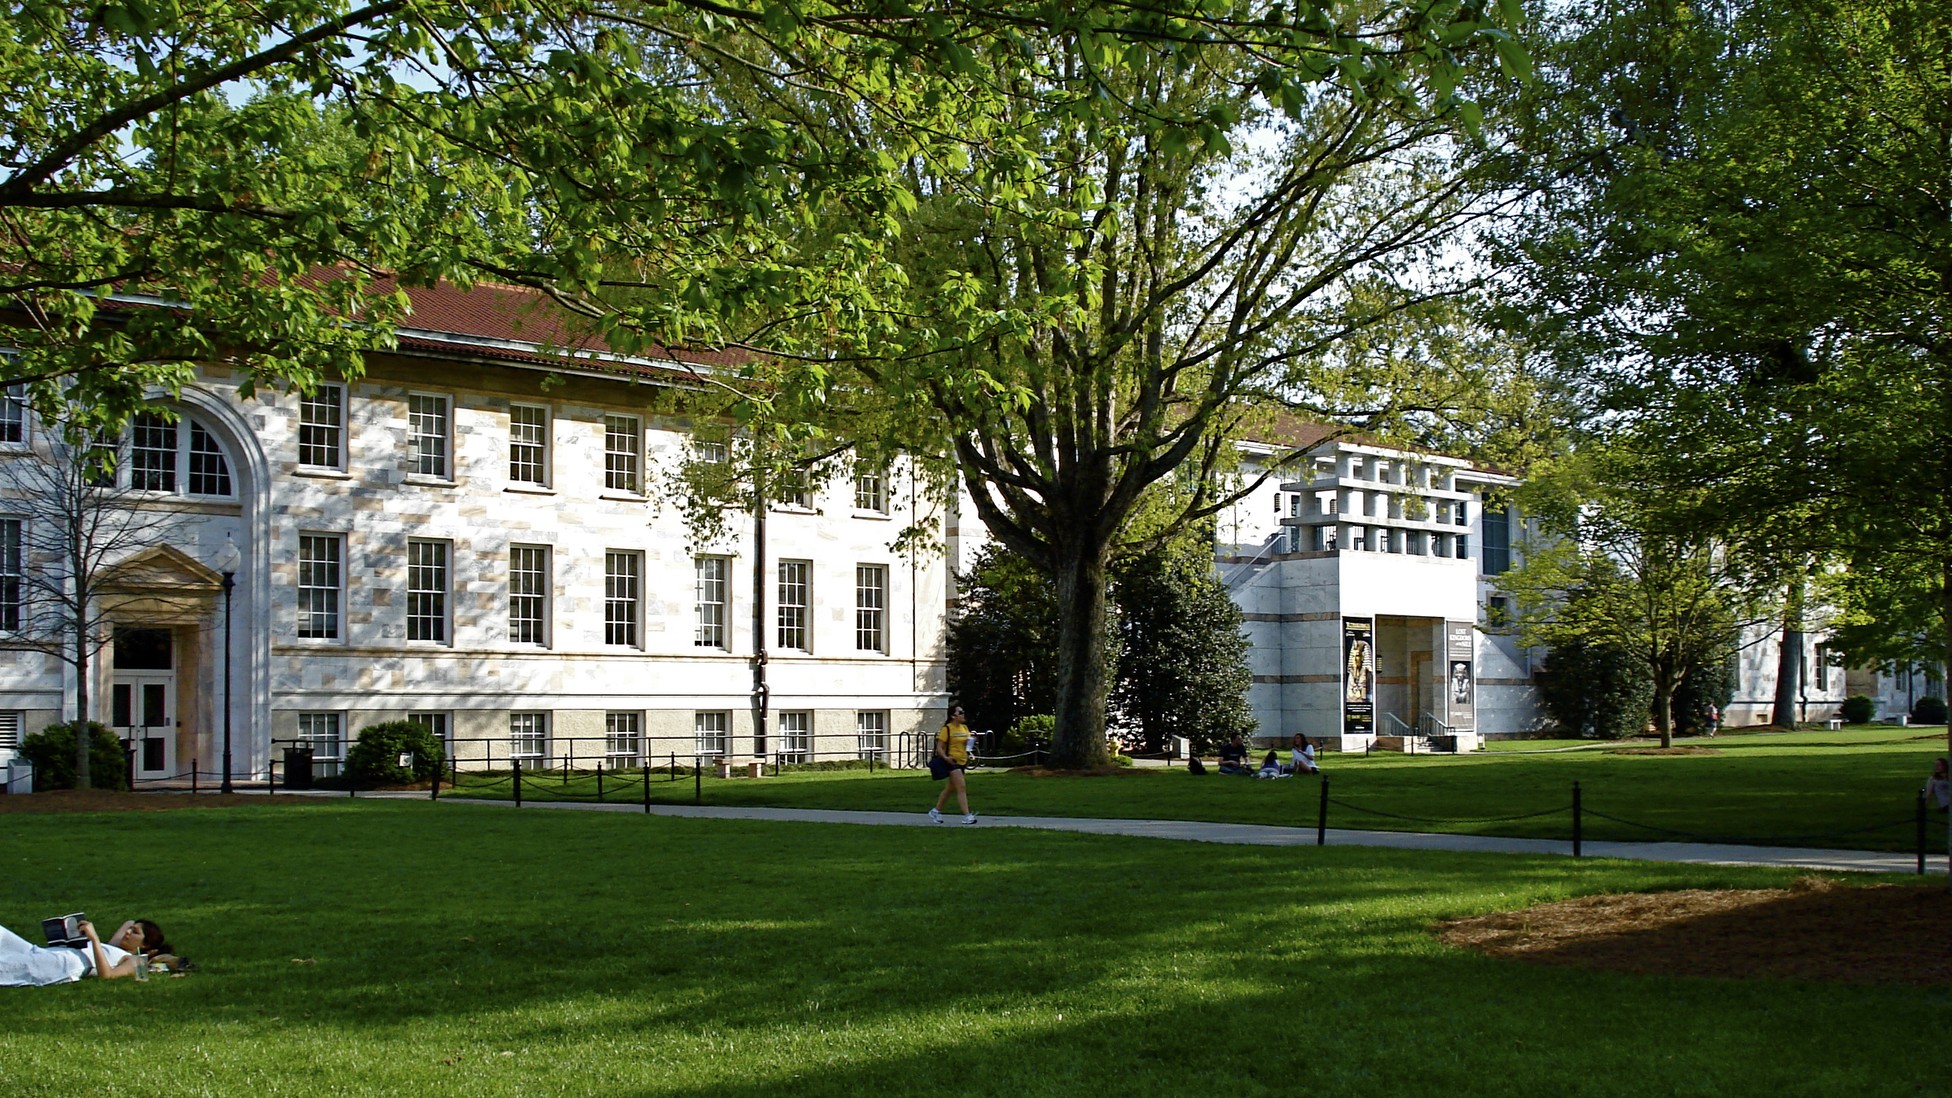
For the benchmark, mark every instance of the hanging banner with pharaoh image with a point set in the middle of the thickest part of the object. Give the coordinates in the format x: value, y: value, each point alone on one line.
x: 1358, y: 676
x: 1461, y: 690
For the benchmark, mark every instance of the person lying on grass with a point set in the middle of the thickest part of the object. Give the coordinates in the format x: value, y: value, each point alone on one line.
x: 24, y: 964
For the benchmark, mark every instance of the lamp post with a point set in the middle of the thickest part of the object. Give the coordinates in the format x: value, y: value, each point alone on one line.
x: 227, y: 564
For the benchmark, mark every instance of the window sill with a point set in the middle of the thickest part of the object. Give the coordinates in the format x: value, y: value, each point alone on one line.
x: 623, y: 497
x: 879, y: 516
x: 530, y: 489
x: 426, y: 480
x: 321, y: 472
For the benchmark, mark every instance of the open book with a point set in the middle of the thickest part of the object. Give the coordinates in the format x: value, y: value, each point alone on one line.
x: 65, y: 930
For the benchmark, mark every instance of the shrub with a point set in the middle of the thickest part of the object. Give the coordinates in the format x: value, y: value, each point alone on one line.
x: 1928, y: 710
x: 375, y: 758
x: 1021, y: 737
x: 52, y: 751
x: 1857, y: 709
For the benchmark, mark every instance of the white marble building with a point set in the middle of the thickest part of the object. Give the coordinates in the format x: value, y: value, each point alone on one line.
x: 1365, y: 573
x: 480, y: 533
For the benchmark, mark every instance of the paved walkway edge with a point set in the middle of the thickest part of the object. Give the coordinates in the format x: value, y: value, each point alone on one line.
x: 1852, y: 861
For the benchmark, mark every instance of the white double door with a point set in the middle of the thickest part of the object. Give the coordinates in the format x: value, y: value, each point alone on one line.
x: 142, y: 708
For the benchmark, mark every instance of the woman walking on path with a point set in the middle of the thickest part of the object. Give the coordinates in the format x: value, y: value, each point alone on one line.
x: 951, y: 757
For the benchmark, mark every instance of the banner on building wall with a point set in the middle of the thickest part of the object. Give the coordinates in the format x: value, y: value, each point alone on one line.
x: 1358, y: 676
x: 1461, y: 694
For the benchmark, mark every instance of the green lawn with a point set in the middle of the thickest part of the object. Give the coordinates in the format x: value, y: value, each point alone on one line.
x: 1852, y: 789
x: 374, y: 947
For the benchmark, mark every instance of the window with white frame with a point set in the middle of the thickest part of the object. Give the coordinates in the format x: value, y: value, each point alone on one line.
x: 528, y: 736
x: 322, y: 732
x: 796, y: 736
x: 152, y: 453
x: 430, y: 434
x: 321, y: 575
x: 322, y: 428
x: 711, y: 733
x: 528, y: 444
x: 871, y: 491
x: 622, y: 596
x: 794, y: 606
x: 13, y: 413
x: 623, y: 454
x: 528, y: 595
x: 871, y: 608
x: 710, y: 581
x: 623, y: 738
x: 871, y: 733
x: 795, y: 489
x: 710, y: 453
x: 13, y: 577
x: 209, y: 471
x: 164, y: 456
x: 427, y: 582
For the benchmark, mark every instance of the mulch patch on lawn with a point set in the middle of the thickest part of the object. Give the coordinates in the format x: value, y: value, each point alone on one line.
x: 1816, y: 930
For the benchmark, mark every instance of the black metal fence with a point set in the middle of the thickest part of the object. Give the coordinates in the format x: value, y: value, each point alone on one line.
x: 1577, y: 811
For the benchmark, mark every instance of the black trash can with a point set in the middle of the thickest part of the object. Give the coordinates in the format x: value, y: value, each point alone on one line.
x: 298, y: 768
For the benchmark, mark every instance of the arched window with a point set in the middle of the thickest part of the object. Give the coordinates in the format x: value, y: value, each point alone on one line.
x: 180, y: 457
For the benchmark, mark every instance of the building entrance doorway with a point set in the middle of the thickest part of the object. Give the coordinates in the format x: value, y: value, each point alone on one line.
x: 142, y: 699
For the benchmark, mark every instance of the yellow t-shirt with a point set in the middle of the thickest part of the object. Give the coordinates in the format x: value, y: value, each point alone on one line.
x: 954, y: 739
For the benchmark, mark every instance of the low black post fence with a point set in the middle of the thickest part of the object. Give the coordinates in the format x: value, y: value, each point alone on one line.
x: 1920, y: 816
x: 647, y: 785
x: 697, y: 782
x: 193, y: 775
x: 599, y: 781
x: 1321, y: 816
x: 517, y: 774
x: 1575, y: 820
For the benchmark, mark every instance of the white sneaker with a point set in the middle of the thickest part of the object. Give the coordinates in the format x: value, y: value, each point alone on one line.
x: 969, y: 819
x: 936, y: 815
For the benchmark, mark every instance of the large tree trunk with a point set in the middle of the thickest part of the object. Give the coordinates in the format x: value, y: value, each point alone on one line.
x: 1789, y: 658
x: 1945, y: 609
x: 1083, y: 680
x: 1664, y: 705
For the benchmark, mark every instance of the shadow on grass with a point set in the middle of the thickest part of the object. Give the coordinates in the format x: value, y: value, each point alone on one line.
x: 494, y: 953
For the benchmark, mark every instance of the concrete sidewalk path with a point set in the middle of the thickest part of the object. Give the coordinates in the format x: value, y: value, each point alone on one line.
x: 1862, y: 861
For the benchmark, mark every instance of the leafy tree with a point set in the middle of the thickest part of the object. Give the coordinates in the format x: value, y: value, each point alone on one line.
x: 1182, y: 667
x: 1000, y: 640
x: 1215, y: 248
x: 1595, y: 687
x: 1749, y: 205
x: 1175, y: 649
x: 1618, y: 573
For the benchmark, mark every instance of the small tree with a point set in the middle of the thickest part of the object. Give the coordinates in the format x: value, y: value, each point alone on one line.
x: 77, y: 519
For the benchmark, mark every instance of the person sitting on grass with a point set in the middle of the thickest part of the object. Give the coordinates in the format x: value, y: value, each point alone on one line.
x: 1938, y: 788
x: 1302, y: 761
x: 1233, y: 757
x: 23, y: 964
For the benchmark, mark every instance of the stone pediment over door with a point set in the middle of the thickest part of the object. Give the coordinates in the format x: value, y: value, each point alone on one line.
x: 160, y: 585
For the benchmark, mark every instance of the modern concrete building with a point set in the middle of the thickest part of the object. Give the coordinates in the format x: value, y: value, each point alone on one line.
x: 1365, y: 573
